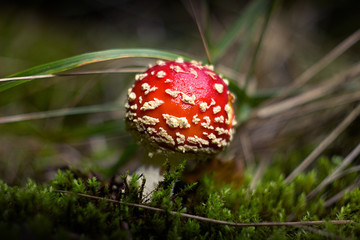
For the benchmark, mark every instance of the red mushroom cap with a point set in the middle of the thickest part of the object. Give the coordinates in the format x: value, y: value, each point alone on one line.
x: 181, y: 106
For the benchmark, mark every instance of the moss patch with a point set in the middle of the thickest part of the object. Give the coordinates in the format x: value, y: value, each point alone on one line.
x: 39, y: 211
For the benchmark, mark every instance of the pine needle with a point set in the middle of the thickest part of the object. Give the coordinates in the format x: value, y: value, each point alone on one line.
x: 340, y: 194
x: 322, y: 63
x: 324, y: 144
x: 327, y: 59
x: 309, y: 95
x: 331, y: 177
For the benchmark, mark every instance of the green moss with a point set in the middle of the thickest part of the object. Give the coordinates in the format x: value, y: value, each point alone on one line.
x: 38, y: 211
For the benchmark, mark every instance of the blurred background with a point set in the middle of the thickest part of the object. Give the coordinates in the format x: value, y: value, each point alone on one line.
x: 38, y: 32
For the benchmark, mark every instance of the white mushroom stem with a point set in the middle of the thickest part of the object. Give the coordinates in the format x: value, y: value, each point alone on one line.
x: 152, y: 176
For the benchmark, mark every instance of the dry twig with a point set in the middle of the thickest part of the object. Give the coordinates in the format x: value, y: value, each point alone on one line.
x: 210, y: 220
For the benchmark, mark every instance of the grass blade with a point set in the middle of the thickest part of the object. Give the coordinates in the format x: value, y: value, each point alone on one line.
x: 122, y: 70
x: 87, y: 58
x: 55, y: 69
x: 245, y: 46
x: 251, y: 12
x: 129, y: 151
x: 258, y: 46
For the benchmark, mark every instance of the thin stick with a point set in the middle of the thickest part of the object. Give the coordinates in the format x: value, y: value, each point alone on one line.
x: 60, y: 113
x: 204, y: 219
x: 331, y: 177
x: 124, y: 70
x: 206, y: 48
x: 324, y: 144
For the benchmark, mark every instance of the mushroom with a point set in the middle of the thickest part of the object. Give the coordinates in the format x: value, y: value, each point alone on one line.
x: 182, y: 110
x: 181, y: 107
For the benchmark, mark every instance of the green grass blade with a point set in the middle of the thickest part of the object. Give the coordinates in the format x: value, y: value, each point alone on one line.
x: 249, y: 15
x: 246, y: 102
x: 87, y: 58
x: 245, y: 46
x: 258, y: 46
x: 129, y: 151
x: 81, y: 60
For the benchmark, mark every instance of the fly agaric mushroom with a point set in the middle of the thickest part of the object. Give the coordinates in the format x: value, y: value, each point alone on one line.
x: 178, y: 107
